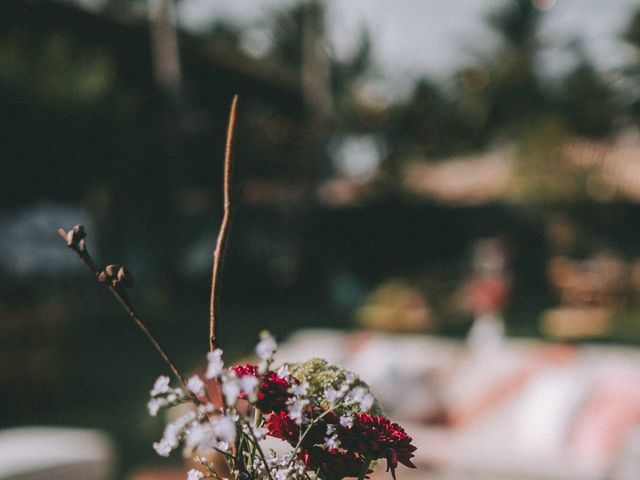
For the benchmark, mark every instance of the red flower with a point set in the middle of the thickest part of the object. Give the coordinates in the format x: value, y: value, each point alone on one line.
x: 332, y: 464
x: 273, y: 392
x: 374, y: 437
x: 279, y: 425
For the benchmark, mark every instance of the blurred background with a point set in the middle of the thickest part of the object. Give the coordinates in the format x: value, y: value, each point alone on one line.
x: 444, y: 196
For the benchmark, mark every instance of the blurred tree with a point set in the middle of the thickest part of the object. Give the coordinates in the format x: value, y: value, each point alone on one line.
x: 427, y: 125
x: 587, y: 102
x: 493, y: 97
x: 512, y: 93
x: 632, y: 36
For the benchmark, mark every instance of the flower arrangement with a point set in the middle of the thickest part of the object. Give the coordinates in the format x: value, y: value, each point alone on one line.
x: 307, y: 421
x: 326, y: 416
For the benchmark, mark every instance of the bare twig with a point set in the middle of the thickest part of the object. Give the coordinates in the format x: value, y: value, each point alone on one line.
x: 75, y: 241
x: 223, y: 233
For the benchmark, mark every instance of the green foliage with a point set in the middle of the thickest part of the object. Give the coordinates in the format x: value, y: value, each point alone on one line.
x: 321, y: 375
x: 588, y: 102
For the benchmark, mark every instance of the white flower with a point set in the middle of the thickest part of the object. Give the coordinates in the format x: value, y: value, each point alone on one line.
x: 230, y: 390
x: 346, y: 421
x: 155, y: 404
x: 362, y: 397
x: 331, y: 395
x: 296, y: 409
x: 272, y: 459
x: 350, y: 378
x: 259, y: 432
x: 161, y: 386
x: 263, y: 366
x: 215, y: 365
x: 171, y: 435
x: 299, y: 389
x: 218, y: 433
x: 249, y: 385
x: 195, y: 474
x: 282, y: 474
x: 195, y: 385
x: 356, y: 395
x: 331, y: 443
x: 200, y: 436
x: 205, y: 408
x: 162, y: 448
x: 266, y: 346
x: 367, y: 402
x: 224, y: 429
x: 283, y: 372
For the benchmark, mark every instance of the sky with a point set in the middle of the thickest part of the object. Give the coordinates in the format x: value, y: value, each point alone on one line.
x: 414, y: 38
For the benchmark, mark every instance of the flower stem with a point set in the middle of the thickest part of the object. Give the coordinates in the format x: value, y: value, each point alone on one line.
x: 121, y: 297
x: 365, y: 468
x: 224, y: 230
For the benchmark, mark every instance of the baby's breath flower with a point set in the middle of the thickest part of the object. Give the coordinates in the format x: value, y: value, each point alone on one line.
x: 195, y: 385
x: 171, y: 435
x: 218, y: 433
x: 266, y: 346
x: 249, y: 385
x: 346, y: 421
x: 367, y: 402
x: 162, y: 448
x: 161, y: 386
x: 231, y: 389
x: 296, y: 410
x: 259, y: 432
x: 282, y: 473
x: 299, y: 389
x: 332, y: 442
x: 263, y: 367
x: 283, y: 372
x: 200, y: 436
x: 155, y: 404
x: 215, y: 365
x: 331, y: 395
x: 272, y: 460
x: 194, y: 474
x: 356, y: 395
x: 224, y: 429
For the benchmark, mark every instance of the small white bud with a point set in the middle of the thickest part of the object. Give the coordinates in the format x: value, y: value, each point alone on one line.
x: 283, y: 372
x: 195, y: 385
x: 367, y: 402
x: 266, y: 346
x: 346, y: 421
x: 331, y: 395
x: 331, y: 443
x: 299, y: 389
x: 215, y: 365
x: 194, y: 474
x: 249, y: 385
x: 161, y: 386
x: 230, y: 390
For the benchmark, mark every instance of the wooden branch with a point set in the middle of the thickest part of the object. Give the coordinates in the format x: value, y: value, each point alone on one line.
x: 223, y: 233
x: 75, y: 241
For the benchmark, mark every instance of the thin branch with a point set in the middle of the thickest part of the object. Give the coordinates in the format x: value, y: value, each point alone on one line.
x: 78, y: 245
x: 223, y: 233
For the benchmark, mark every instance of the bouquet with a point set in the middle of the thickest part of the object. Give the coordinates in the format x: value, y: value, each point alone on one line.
x: 307, y: 421
x: 328, y: 419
